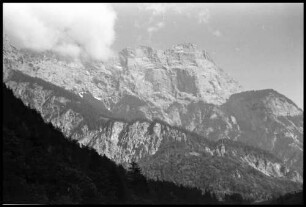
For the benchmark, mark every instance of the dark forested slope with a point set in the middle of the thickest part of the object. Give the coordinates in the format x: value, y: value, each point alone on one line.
x: 41, y: 166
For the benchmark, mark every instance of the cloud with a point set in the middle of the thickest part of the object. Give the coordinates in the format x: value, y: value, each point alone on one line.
x: 162, y: 8
x: 204, y: 16
x: 200, y: 12
x: 156, y: 8
x: 155, y: 28
x: 69, y: 29
x: 217, y: 33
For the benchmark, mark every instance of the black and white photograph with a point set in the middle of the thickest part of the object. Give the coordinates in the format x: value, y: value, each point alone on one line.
x: 153, y: 103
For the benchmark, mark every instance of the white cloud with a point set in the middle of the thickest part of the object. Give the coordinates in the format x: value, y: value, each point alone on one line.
x: 204, y: 16
x: 200, y: 12
x: 70, y: 29
x: 217, y: 33
x: 67, y: 49
x: 162, y: 8
x: 157, y: 8
x: 155, y: 28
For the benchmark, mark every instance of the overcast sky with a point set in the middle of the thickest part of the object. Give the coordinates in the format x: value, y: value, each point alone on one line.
x: 260, y: 45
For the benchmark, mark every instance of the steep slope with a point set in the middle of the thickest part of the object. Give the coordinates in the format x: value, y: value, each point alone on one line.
x: 223, y: 169
x: 270, y: 121
x: 40, y: 166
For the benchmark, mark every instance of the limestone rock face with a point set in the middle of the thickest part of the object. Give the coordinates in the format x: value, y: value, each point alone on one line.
x: 143, y: 79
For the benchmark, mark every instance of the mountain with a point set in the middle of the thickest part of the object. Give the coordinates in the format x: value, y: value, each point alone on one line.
x: 270, y: 121
x: 40, y: 166
x: 34, y: 151
x: 173, y: 112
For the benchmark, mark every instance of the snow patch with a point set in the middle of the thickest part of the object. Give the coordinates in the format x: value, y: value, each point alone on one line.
x: 233, y: 119
x: 194, y: 154
x: 81, y: 94
x: 97, y: 98
x: 213, y: 116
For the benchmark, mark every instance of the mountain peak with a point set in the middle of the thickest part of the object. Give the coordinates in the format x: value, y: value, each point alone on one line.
x: 185, y: 46
x: 177, y: 48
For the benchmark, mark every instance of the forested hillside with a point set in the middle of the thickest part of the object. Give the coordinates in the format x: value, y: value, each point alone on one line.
x: 41, y: 166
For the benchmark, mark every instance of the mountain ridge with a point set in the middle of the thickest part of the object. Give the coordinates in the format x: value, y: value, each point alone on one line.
x: 100, y: 105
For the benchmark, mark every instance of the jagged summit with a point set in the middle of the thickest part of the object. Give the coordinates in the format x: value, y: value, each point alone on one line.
x: 181, y: 52
x: 186, y: 47
x: 177, y: 47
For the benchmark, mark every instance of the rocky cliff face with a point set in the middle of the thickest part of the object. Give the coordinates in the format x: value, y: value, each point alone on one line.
x: 149, y: 81
x: 111, y: 106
